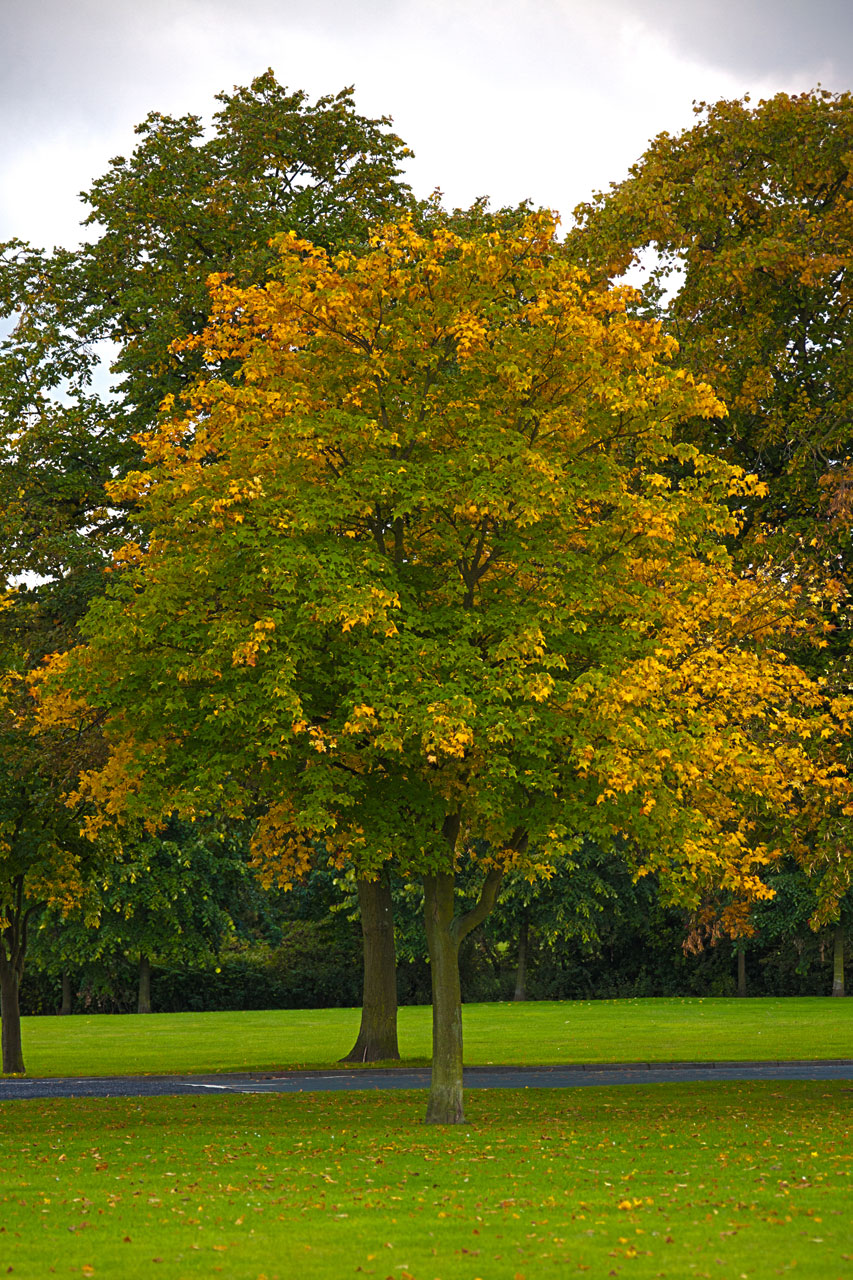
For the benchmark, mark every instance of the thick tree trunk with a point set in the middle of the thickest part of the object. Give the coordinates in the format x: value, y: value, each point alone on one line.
x: 67, y: 996
x: 144, y: 1002
x: 445, y: 1098
x: 377, y: 1035
x: 521, y: 972
x: 741, y: 972
x: 838, y: 961
x: 13, y: 949
x: 10, y: 1013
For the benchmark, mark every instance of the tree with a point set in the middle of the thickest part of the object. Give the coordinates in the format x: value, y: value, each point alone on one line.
x: 43, y: 857
x: 167, y: 897
x: 188, y: 200
x: 564, y: 908
x: 746, y: 217
x: 413, y: 577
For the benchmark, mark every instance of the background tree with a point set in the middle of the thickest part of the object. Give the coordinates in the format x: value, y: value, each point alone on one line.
x: 43, y: 857
x: 564, y: 909
x: 187, y: 201
x: 742, y: 226
x: 413, y: 576
x: 165, y: 898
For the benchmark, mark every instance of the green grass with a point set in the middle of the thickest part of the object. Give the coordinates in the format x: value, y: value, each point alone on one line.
x: 726, y: 1180
x: 546, y: 1032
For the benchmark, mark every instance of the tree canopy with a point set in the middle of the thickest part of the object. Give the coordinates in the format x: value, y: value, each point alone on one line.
x: 743, y: 224
x: 190, y: 198
x: 747, y: 217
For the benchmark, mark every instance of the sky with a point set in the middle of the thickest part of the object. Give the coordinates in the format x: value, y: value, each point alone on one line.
x: 543, y: 99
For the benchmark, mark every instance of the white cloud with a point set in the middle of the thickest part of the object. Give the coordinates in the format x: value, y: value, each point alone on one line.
x: 513, y: 98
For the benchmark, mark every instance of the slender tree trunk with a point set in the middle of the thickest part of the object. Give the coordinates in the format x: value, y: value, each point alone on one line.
x: 144, y: 1003
x: 741, y: 971
x: 445, y: 1097
x: 838, y: 961
x: 10, y: 1013
x: 445, y: 933
x: 377, y: 1035
x: 521, y: 973
x: 67, y: 996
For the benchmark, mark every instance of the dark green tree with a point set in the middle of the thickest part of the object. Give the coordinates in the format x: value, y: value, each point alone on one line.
x: 187, y: 201
x: 742, y: 228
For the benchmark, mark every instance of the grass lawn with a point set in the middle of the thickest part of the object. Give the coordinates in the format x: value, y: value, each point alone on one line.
x: 542, y: 1032
x: 726, y: 1180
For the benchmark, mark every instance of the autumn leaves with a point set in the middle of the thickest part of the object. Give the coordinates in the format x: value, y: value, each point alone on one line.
x: 422, y: 569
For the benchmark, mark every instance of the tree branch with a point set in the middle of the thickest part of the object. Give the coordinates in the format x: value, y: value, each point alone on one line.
x: 462, y: 925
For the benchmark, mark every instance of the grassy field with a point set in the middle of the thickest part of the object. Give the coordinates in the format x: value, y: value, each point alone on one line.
x: 732, y: 1181
x: 574, y: 1031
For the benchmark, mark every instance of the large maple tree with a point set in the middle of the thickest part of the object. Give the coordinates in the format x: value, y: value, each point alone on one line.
x: 422, y: 572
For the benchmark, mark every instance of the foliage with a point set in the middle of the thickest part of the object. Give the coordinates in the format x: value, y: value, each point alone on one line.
x: 742, y: 226
x: 187, y: 201
x: 748, y: 215
x: 419, y: 562
x: 168, y: 898
x: 43, y: 856
x: 313, y: 967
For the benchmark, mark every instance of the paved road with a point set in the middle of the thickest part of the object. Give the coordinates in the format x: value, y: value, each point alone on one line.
x: 554, y: 1077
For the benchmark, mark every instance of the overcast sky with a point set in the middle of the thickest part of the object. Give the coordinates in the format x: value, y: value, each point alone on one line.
x: 547, y: 99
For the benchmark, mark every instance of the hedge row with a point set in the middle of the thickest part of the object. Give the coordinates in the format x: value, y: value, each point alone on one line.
x: 318, y: 964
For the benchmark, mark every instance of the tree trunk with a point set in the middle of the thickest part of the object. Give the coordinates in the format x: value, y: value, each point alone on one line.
x: 741, y: 971
x: 377, y: 1035
x: 445, y: 933
x: 144, y: 1003
x: 13, y: 949
x: 10, y: 1013
x: 838, y: 961
x: 521, y: 973
x: 67, y: 996
x: 445, y: 1097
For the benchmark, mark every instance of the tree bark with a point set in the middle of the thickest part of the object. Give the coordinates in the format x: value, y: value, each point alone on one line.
x: 444, y: 933
x: 838, y: 961
x: 13, y: 949
x: 377, y: 1035
x: 445, y: 1104
x: 741, y: 972
x: 521, y: 972
x: 10, y: 1013
x: 144, y: 1002
x: 67, y: 996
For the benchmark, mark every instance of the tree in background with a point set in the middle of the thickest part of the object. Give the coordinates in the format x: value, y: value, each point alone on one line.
x: 168, y: 898
x: 44, y: 859
x: 746, y: 216
x: 564, y: 909
x: 744, y: 226
x: 187, y: 201
x: 414, y: 573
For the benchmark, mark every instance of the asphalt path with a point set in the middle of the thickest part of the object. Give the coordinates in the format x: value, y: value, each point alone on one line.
x: 371, y: 1078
